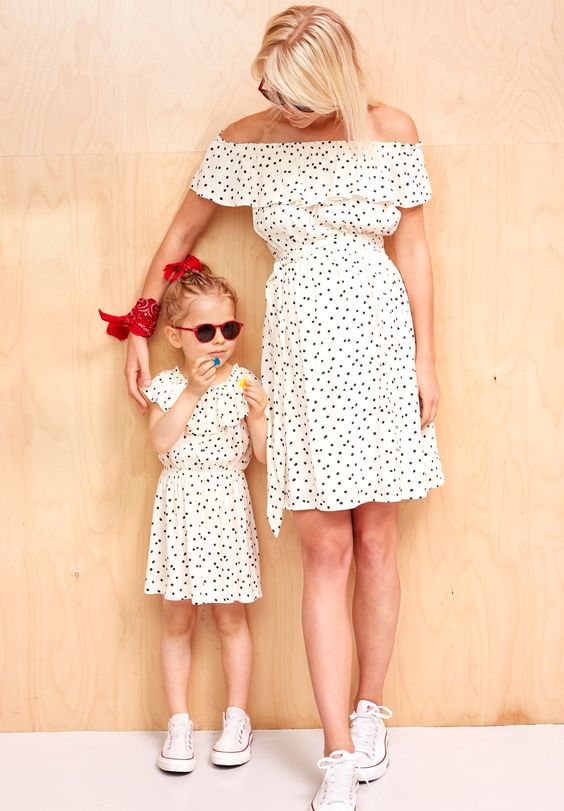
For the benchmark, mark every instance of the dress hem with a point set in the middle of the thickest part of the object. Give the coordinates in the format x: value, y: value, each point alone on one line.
x: 246, y: 601
x: 421, y: 493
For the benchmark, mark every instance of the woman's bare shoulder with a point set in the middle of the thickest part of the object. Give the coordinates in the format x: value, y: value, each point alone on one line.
x: 254, y: 129
x: 392, y: 124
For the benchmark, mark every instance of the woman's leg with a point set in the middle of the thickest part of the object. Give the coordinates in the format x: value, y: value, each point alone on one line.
x: 376, y: 595
x: 327, y: 543
x: 236, y: 651
x: 179, y: 619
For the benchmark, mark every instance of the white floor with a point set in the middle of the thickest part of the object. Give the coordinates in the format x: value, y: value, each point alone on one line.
x: 486, y: 769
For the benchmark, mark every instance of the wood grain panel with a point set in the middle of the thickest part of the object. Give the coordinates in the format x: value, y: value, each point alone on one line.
x: 85, y: 648
x: 111, y: 103
x: 484, y: 559
x: 481, y: 560
x: 94, y: 77
x: 470, y: 72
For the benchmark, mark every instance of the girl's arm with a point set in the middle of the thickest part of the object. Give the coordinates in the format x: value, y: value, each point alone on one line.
x: 257, y: 430
x: 166, y: 428
x: 414, y: 263
x: 257, y: 401
x: 189, y: 222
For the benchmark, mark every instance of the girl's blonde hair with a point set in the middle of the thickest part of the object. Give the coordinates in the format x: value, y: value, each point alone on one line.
x: 309, y: 55
x: 181, y: 293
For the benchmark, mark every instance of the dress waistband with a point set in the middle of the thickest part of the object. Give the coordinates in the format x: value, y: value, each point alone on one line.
x: 337, y: 240
x: 171, y: 471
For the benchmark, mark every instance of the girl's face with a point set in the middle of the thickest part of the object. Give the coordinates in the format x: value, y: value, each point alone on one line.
x: 205, y: 310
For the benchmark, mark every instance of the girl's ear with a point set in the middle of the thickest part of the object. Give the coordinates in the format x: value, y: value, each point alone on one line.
x: 173, y: 336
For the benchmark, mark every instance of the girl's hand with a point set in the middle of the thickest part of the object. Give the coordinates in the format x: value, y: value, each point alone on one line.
x: 201, y: 375
x: 429, y: 393
x: 256, y: 398
x: 137, y: 372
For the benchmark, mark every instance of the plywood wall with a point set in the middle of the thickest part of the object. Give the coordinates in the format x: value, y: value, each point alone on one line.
x: 106, y: 108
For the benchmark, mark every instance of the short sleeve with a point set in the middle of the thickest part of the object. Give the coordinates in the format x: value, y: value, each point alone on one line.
x: 165, y: 388
x: 225, y: 174
x: 410, y: 181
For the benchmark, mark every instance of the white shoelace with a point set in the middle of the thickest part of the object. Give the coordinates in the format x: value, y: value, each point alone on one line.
x: 340, y: 779
x: 233, y: 729
x: 176, y: 731
x: 365, y: 730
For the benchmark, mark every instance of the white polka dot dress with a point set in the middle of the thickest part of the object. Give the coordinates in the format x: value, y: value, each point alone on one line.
x: 338, y: 358
x: 203, y: 544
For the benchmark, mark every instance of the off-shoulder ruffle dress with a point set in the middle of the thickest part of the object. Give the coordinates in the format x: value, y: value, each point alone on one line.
x: 338, y: 346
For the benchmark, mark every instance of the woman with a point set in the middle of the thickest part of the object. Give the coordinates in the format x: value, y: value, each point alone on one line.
x: 348, y: 350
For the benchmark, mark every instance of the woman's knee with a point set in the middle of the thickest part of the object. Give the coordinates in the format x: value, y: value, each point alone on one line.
x: 179, y: 617
x: 375, y: 536
x: 326, y: 542
x: 327, y: 556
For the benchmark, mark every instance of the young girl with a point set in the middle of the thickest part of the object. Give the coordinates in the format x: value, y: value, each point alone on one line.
x: 205, y: 416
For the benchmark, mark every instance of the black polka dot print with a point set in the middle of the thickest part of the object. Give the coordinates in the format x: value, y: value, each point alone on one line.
x: 338, y: 345
x: 203, y: 544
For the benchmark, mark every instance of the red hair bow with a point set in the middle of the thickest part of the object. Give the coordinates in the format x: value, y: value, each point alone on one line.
x: 175, y: 270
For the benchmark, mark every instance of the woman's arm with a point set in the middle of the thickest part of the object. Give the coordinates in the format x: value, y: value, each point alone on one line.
x: 414, y: 264
x: 191, y: 219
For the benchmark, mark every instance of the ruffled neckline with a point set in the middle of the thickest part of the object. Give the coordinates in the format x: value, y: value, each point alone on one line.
x: 306, y: 173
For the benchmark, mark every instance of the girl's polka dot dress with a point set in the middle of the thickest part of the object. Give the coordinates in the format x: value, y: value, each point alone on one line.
x: 203, y: 543
x: 338, y: 358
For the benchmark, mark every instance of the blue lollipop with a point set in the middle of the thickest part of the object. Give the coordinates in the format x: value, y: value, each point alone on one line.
x: 216, y: 361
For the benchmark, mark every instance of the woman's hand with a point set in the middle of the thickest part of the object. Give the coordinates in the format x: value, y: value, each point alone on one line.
x: 137, y: 372
x: 201, y: 375
x: 256, y: 398
x: 429, y: 394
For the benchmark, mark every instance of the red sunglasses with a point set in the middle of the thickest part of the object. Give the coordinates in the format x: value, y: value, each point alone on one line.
x: 276, y: 98
x: 206, y: 332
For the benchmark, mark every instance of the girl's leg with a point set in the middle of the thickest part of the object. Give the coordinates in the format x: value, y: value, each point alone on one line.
x: 236, y: 651
x: 376, y: 595
x: 179, y: 619
x: 327, y: 543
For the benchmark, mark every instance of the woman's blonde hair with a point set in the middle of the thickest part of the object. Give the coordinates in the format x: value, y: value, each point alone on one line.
x: 181, y: 293
x: 309, y: 55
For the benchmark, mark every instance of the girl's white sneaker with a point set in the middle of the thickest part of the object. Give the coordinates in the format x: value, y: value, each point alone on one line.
x: 339, y: 787
x: 371, y: 739
x: 234, y: 746
x: 177, y: 754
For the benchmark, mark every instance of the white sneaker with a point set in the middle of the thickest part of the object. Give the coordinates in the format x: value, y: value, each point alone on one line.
x: 371, y: 739
x: 234, y: 746
x: 339, y: 786
x: 177, y: 754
